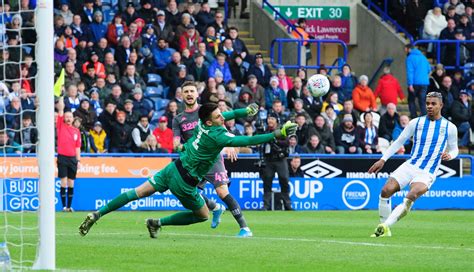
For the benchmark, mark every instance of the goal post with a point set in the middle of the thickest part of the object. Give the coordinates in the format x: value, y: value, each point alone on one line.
x: 46, y: 251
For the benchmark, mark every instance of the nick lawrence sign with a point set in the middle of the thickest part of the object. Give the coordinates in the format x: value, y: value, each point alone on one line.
x: 327, y: 22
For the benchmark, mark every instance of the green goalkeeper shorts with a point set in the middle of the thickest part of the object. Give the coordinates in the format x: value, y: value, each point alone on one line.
x: 169, y: 178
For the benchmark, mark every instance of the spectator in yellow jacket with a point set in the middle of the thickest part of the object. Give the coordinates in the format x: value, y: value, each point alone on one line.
x: 98, y: 139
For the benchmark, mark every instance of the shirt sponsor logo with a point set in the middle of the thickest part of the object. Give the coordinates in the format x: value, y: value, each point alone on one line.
x: 188, y: 126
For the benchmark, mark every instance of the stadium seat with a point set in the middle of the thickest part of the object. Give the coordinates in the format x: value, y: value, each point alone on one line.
x: 383, y: 144
x: 153, y: 80
x: 153, y: 100
x: 469, y: 71
x: 240, y: 128
x: 150, y: 102
x: 156, y: 116
x: 109, y: 13
x: 154, y: 91
x: 213, y: 4
x: 161, y: 103
x: 113, y: 4
x: 165, y: 91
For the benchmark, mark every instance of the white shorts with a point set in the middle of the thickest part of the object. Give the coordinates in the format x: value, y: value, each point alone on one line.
x: 407, y: 174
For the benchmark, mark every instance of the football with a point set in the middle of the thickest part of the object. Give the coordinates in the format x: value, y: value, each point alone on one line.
x: 318, y: 85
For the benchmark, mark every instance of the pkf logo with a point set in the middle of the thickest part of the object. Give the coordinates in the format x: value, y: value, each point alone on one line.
x: 319, y: 169
x: 143, y: 172
x: 355, y: 195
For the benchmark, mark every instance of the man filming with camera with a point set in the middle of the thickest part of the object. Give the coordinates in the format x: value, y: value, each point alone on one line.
x: 274, y: 155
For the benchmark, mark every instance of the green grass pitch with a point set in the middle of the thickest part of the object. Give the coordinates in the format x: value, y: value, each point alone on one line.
x: 283, y: 241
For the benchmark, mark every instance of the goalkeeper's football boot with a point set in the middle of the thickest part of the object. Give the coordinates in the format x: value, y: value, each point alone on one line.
x: 86, y: 225
x: 216, y: 216
x: 382, y: 230
x: 153, y: 226
x: 245, y: 233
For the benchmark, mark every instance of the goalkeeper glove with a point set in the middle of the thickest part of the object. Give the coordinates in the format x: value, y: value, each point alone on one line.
x: 286, y: 130
x: 252, y: 109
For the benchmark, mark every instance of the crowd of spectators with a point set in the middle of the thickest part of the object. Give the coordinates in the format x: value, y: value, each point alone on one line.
x: 123, y: 76
x: 438, y: 20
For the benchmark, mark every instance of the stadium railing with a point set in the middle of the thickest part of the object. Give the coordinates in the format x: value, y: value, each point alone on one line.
x: 385, y: 17
x: 385, y: 62
x: 337, y: 64
x: 439, y: 46
x: 339, y: 61
x: 278, y: 16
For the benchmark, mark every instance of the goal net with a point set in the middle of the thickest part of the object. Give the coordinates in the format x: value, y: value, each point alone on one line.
x: 26, y: 115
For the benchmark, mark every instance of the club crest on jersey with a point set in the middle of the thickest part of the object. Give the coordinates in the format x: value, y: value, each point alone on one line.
x: 442, y: 131
x: 75, y: 137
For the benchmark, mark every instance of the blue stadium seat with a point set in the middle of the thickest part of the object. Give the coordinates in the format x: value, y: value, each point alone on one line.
x: 111, y: 3
x: 109, y: 13
x: 469, y: 71
x: 165, y: 91
x: 154, y: 91
x: 240, y: 128
x: 153, y: 80
x: 154, y: 100
x: 150, y: 102
x: 156, y: 116
x: 160, y: 104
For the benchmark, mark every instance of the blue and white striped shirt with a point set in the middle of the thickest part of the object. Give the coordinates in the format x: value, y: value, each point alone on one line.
x: 370, y: 134
x: 430, y: 139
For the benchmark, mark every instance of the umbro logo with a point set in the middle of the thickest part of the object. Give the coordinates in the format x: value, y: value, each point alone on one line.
x: 320, y: 169
x: 445, y: 172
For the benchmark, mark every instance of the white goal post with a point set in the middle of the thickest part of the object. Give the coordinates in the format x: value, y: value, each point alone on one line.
x: 46, y: 251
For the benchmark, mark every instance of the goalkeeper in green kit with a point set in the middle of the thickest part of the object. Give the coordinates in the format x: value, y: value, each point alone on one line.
x: 183, y: 175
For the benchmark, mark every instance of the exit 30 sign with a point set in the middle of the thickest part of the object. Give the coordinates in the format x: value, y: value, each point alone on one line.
x: 312, y: 12
x: 328, y: 22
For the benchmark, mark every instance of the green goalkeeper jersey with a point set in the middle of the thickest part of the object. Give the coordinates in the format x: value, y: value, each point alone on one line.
x: 202, y: 150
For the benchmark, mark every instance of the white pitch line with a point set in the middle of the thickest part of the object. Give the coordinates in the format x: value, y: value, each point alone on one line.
x: 367, y: 244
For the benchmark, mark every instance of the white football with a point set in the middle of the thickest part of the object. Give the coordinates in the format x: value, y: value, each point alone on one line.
x: 318, y: 85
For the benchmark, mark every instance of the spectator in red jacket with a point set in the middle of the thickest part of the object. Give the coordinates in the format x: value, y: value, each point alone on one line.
x: 388, y: 89
x: 364, y: 98
x: 115, y: 30
x: 189, y: 40
x: 99, y: 68
x: 163, y: 134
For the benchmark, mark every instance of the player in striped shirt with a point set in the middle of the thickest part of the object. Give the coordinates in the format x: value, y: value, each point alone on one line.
x: 435, y: 139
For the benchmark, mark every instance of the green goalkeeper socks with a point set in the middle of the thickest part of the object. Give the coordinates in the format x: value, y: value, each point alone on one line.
x: 118, y: 202
x: 181, y: 218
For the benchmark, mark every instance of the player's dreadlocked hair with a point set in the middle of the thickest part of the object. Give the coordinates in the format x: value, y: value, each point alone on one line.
x: 206, y: 110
